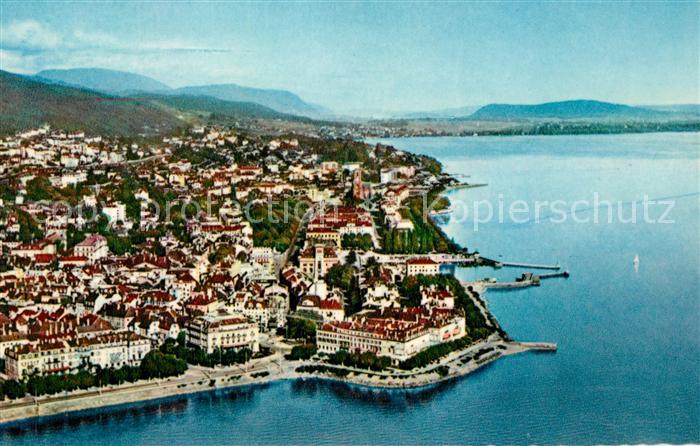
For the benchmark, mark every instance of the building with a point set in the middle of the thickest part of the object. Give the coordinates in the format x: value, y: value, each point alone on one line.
x: 115, y: 212
x: 113, y: 350
x: 434, y: 297
x: 397, y: 334
x: 222, y: 331
x: 93, y: 248
x: 328, y: 310
x: 264, y: 257
x: 342, y: 219
x: 359, y: 190
x: 323, y: 234
x: 315, y: 261
x: 30, y: 250
x: 422, y: 265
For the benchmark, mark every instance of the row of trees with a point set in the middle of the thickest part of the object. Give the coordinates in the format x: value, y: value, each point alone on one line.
x: 195, y: 355
x: 305, y: 351
x: 425, y: 237
x: 154, y: 365
x: 434, y: 353
x: 357, y: 241
x: 365, y: 360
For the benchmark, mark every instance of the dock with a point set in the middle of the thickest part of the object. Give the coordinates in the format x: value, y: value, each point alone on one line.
x: 544, y: 346
x: 509, y: 285
x: 531, y: 265
x: 524, y: 281
x: 564, y: 274
x: 500, y: 263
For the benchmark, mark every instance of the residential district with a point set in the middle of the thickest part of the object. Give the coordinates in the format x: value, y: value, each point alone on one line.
x: 131, y: 260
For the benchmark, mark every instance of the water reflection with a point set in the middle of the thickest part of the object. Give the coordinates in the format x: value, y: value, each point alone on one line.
x: 100, y: 416
x: 396, y: 399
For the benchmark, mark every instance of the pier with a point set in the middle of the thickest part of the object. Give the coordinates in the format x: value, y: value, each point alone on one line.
x: 564, y: 274
x: 499, y: 264
x: 524, y: 281
x: 510, y: 285
x: 545, y: 346
x: 530, y: 265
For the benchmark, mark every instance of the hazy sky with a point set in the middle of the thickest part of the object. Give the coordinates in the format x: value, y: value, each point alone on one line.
x: 353, y: 56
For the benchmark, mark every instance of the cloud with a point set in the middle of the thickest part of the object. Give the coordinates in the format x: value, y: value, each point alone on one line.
x: 29, y: 46
x: 29, y: 35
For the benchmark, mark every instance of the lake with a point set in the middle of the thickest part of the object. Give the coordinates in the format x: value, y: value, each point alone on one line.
x: 628, y: 365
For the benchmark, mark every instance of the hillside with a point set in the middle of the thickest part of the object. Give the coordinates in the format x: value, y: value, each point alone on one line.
x: 126, y: 84
x: 99, y: 79
x: 576, y: 109
x: 217, y: 110
x: 280, y: 100
x: 447, y: 113
x: 686, y: 109
x: 26, y: 103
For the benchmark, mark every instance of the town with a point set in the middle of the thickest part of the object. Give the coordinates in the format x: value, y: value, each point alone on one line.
x: 130, y: 260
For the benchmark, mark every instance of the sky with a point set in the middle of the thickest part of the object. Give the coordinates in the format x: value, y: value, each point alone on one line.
x: 376, y: 57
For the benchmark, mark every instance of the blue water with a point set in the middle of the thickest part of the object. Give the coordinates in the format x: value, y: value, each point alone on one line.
x: 628, y: 365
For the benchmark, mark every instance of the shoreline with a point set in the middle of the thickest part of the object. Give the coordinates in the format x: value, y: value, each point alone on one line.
x: 200, y: 380
x: 275, y: 368
x: 518, y: 134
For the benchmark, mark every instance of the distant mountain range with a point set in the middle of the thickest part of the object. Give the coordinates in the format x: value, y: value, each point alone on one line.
x: 127, y: 84
x: 106, y: 81
x: 690, y: 109
x: 281, y: 100
x: 576, y: 109
x: 563, y: 110
x: 115, y: 102
x: 447, y: 113
x: 26, y: 102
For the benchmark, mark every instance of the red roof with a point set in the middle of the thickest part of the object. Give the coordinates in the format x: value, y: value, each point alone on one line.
x: 72, y: 259
x: 330, y: 304
x: 43, y: 258
x: 421, y: 261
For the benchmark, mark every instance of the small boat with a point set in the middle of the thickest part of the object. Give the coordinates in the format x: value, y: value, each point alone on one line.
x: 635, y: 262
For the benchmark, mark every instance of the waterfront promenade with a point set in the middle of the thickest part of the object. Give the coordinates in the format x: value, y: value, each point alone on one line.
x: 264, y: 370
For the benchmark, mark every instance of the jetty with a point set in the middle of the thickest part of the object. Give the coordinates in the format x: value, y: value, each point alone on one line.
x: 564, y: 274
x: 500, y: 264
x: 544, y: 346
x: 531, y: 265
x: 524, y: 281
x: 464, y: 186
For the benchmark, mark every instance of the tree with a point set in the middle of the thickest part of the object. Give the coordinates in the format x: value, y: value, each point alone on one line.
x: 351, y: 258
x: 159, y: 365
x: 14, y: 389
x: 300, y: 328
x: 305, y: 351
x: 340, y: 276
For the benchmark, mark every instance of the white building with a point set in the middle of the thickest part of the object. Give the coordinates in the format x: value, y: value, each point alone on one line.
x: 222, y: 331
x: 424, y: 265
x: 115, y: 211
x: 93, y: 248
x: 112, y: 350
x: 399, y: 336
